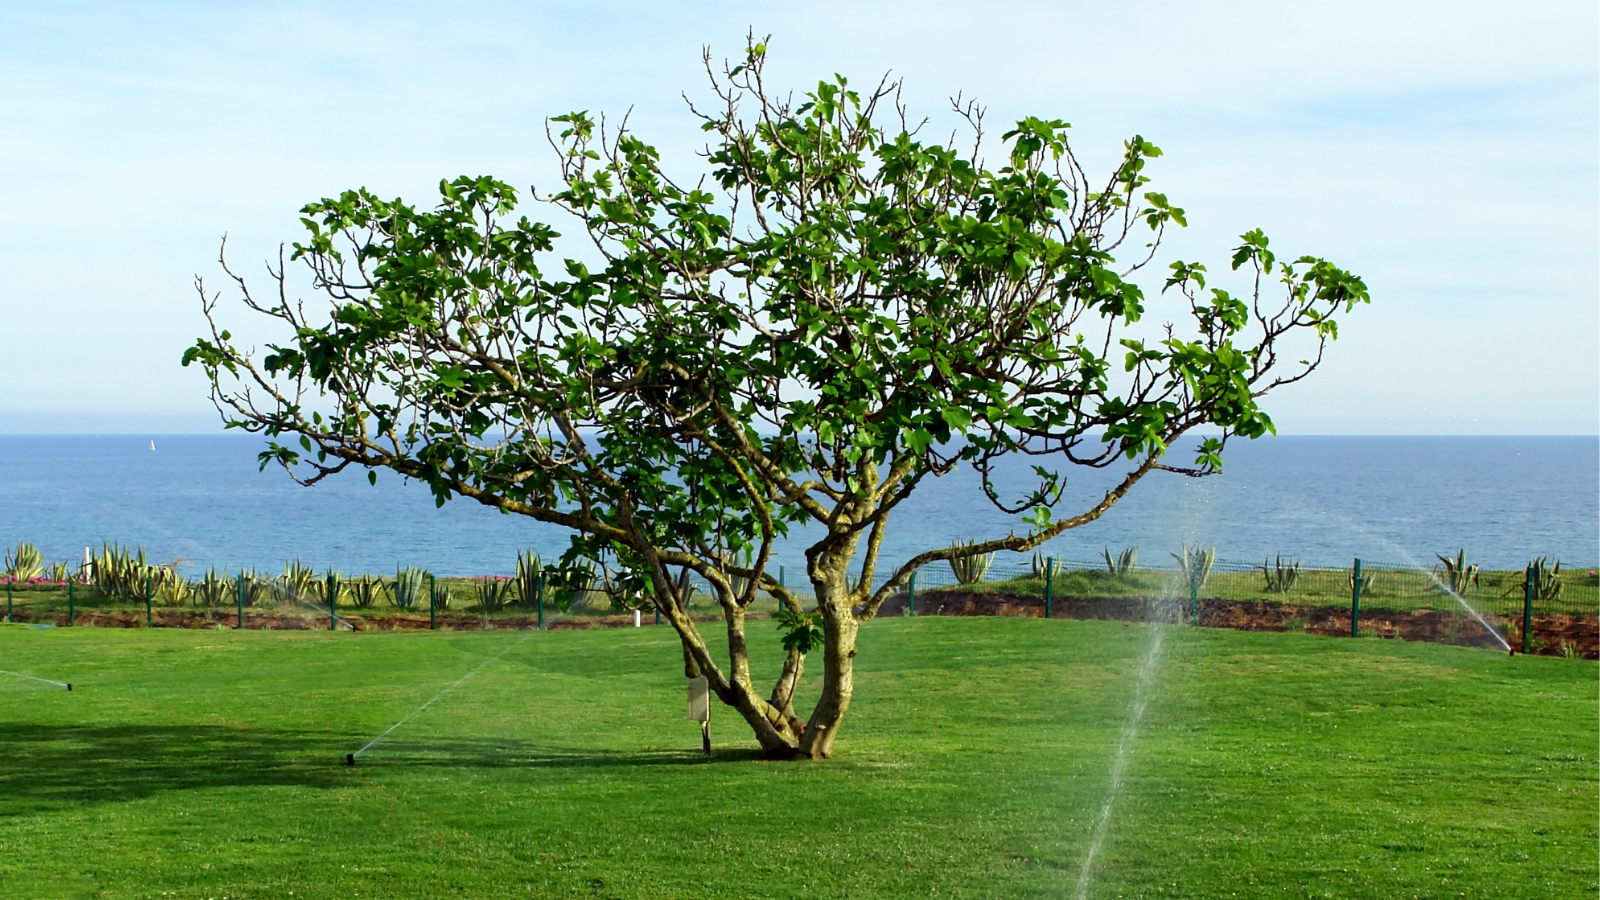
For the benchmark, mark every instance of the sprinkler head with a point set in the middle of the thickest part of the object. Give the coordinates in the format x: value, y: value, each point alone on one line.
x: 69, y: 686
x: 350, y: 759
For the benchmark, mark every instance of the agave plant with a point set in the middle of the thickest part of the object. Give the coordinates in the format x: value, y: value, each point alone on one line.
x: 1368, y: 581
x: 121, y: 575
x: 529, y: 579
x: 1042, y: 566
x: 1280, y: 577
x: 1458, y: 575
x: 1195, y: 564
x: 1543, y: 583
x: 408, y: 584
x: 493, y: 592
x: 24, y: 563
x: 737, y: 583
x: 1124, y: 561
x: 577, y: 586
x: 686, y: 588
x: 253, y: 588
x: 171, y: 587
x: 332, y: 588
x: 57, y: 571
x: 970, y: 569
x: 366, y: 591
x: 213, y: 589
x: 440, y: 593
x: 300, y: 582
x: 860, y: 582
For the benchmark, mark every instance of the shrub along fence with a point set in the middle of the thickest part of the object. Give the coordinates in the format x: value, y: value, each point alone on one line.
x: 1537, y: 610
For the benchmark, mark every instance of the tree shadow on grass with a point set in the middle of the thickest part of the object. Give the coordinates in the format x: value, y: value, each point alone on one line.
x: 48, y: 766
x: 51, y: 765
x: 489, y: 753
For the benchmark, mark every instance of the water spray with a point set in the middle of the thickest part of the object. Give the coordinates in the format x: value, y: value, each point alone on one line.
x: 350, y: 758
x: 1493, y: 632
x: 1412, y: 561
x: 1119, y: 763
x: 65, y: 684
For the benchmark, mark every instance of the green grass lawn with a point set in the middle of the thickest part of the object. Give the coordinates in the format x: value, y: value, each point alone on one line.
x: 976, y: 764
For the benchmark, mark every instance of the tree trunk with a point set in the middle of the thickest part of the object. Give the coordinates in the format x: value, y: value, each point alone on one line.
x: 838, y: 654
x: 773, y: 729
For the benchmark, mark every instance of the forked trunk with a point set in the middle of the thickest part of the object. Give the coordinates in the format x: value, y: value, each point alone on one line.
x: 772, y: 728
x: 838, y: 657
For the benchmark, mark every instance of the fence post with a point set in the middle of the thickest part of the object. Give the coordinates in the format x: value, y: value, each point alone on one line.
x: 1049, y: 584
x: 239, y: 583
x: 1355, y: 599
x: 8, y: 597
x: 333, y: 602
x: 1527, y: 609
x: 780, y: 577
x: 1194, y: 599
x: 433, y: 602
x: 538, y: 593
x: 70, y: 609
x: 147, y: 600
x: 911, y: 598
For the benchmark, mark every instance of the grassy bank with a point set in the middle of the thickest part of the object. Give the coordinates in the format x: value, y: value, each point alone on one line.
x: 206, y: 764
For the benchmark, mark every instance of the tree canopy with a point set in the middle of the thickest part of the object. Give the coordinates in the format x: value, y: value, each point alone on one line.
x: 837, y: 311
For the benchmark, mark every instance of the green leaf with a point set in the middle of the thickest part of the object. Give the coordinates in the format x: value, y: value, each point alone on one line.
x: 957, y: 418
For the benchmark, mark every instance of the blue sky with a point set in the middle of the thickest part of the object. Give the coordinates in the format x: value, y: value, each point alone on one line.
x: 1447, y: 152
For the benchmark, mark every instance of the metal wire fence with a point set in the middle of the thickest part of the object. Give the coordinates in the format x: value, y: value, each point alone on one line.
x: 1383, y: 586
x: 1274, y: 594
x: 254, y: 602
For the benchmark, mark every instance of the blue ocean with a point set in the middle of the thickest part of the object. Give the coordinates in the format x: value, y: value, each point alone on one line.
x: 201, y: 501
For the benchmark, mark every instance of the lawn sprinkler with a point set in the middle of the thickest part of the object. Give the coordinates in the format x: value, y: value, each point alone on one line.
x: 350, y: 759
